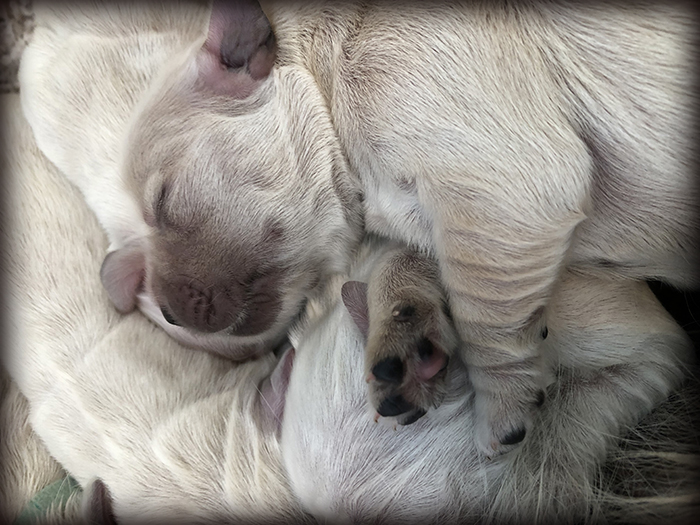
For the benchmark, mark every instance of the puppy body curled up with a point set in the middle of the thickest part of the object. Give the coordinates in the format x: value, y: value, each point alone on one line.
x: 512, y: 142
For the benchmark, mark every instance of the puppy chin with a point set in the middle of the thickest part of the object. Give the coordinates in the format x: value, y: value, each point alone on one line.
x: 219, y: 343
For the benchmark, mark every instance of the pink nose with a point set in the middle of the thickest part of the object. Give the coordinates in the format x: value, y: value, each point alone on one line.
x: 204, y: 309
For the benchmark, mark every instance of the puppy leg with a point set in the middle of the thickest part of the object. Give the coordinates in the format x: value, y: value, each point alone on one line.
x: 409, y: 334
x: 502, y: 232
x: 617, y: 354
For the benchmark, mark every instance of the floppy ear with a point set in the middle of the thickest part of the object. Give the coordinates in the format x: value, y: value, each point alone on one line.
x: 122, y: 273
x: 354, y: 295
x: 97, y: 504
x: 273, y: 389
x: 239, y: 51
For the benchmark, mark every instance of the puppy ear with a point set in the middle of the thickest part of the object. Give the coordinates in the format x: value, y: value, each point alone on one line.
x: 97, y: 504
x: 273, y: 389
x: 122, y: 273
x: 354, y: 295
x: 240, y: 48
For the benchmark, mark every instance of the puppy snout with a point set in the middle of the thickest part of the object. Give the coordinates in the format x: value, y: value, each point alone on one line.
x: 263, y: 304
x: 207, y: 309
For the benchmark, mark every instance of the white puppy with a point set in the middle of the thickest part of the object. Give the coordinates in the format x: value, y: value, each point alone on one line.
x: 175, y: 435
x: 81, y: 78
x: 509, y: 140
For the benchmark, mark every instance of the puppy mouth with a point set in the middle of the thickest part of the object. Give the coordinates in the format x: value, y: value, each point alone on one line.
x: 238, y: 309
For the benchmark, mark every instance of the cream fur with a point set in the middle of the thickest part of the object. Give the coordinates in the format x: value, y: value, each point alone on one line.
x: 511, y: 141
x: 182, y: 436
x: 82, y: 75
x: 27, y: 467
x: 612, y: 355
x: 101, y: 386
x: 176, y: 435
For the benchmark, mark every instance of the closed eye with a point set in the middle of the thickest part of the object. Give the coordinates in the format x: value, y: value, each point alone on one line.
x: 159, y: 205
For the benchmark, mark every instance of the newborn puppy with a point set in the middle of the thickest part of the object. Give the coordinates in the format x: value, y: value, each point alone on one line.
x: 511, y: 141
x: 173, y: 436
x: 237, y: 240
x: 612, y: 353
x: 81, y: 79
x: 156, y: 433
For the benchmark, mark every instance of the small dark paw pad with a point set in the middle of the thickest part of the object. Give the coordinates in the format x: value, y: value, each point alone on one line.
x: 415, y: 416
x: 390, y: 370
x: 516, y: 436
x: 545, y: 333
x: 393, y: 406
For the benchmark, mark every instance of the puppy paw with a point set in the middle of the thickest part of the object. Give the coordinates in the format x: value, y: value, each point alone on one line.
x: 406, y: 358
x: 504, y: 418
x: 408, y: 332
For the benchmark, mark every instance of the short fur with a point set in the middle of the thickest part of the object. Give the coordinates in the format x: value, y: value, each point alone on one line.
x: 81, y: 77
x: 612, y: 354
x: 182, y: 436
x: 510, y: 140
x: 175, y: 435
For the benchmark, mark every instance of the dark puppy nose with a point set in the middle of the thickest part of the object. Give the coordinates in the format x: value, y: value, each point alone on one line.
x: 207, y: 309
x: 389, y: 370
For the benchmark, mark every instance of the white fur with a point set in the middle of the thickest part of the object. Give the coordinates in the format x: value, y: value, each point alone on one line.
x: 175, y: 435
x: 178, y: 435
x: 612, y: 353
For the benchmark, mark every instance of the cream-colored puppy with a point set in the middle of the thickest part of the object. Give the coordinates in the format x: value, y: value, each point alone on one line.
x: 81, y: 78
x: 509, y: 140
x: 155, y: 432
x: 176, y: 436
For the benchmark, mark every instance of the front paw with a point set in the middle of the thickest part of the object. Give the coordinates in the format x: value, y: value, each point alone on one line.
x: 504, y: 417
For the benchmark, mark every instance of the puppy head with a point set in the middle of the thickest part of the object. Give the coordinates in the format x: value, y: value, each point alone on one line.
x: 238, y: 176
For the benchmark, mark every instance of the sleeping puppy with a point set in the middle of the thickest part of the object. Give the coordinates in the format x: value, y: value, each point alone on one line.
x: 157, y: 433
x: 512, y: 141
x: 175, y: 436
x: 81, y: 79
x: 612, y: 354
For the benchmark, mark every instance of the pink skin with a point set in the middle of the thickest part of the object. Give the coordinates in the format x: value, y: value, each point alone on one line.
x: 430, y: 367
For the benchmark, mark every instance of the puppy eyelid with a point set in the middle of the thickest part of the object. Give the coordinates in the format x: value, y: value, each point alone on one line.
x: 159, y: 204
